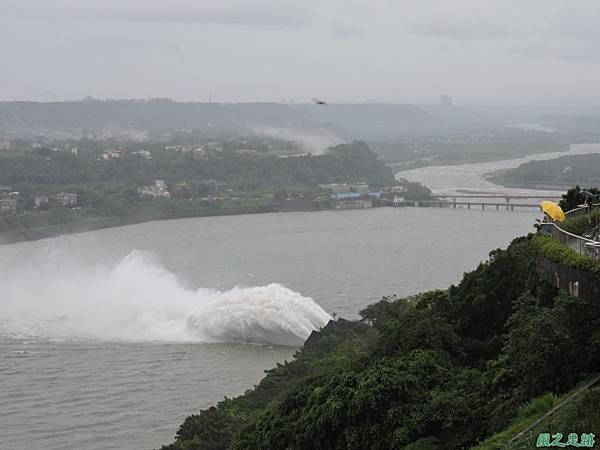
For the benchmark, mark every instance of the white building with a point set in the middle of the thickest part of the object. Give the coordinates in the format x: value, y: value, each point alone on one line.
x: 398, y: 200
x: 67, y: 199
x: 143, y: 154
x: 111, y: 154
x: 8, y: 204
x: 159, y: 189
x: 395, y: 189
x: 40, y: 201
x: 336, y: 188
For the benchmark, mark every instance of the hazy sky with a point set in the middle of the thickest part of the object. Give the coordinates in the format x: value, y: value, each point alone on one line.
x: 478, y: 51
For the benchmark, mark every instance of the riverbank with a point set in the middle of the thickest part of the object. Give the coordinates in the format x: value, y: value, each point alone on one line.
x: 499, y: 178
x: 463, y: 363
x: 432, y: 162
x: 453, y: 179
x: 558, y: 173
x: 154, y: 278
x: 33, y: 233
x: 97, y: 223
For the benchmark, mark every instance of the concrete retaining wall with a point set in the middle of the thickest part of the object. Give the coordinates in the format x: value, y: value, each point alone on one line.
x: 576, y: 282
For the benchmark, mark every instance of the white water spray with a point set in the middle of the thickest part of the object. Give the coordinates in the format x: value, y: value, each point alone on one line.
x: 139, y: 299
x: 314, y: 140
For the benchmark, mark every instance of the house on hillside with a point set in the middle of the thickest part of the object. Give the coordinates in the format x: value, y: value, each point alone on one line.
x: 159, y: 189
x: 395, y: 189
x: 8, y: 204
x: 112, y: 154
x: 337, y: 188
x: 8, y: 199
x: 142, y: 154
x: 68, y: 199
x: 40, y: 201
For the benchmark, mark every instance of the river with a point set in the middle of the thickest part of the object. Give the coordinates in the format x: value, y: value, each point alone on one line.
x: 471, y: 177
x: 109, y: 339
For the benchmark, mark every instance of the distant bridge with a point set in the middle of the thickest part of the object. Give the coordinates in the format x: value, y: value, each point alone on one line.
x: 509, y: 206
x: 507, y: 197
x: 511, y: 201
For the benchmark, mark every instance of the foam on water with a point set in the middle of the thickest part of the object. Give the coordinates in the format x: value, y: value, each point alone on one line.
x: 139, y: 299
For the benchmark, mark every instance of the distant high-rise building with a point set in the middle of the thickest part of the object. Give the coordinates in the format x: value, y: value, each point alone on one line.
x: 445, y: 100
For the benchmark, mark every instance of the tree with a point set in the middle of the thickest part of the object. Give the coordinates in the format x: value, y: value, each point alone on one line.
x: 575, y: 197
x: 539, y: 351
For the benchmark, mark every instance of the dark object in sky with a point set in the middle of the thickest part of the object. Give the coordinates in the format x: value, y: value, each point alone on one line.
x: 318, y: 102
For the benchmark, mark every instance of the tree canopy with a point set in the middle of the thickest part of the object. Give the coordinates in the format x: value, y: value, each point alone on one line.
x: 441, y: 370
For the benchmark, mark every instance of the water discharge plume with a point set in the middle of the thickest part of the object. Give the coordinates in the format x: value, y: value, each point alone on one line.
x: 314, y: 140
x: 139, y: 299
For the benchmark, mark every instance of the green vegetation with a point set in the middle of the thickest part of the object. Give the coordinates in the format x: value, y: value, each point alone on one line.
x: 476, y: 145
x: 579, y: 415
x: 526, y: 417
x: 343, y: 163
x: 217, y: 182
x: 112, y: 211
x: 561, y: 254
x: 575, y: 197
x: 443, y: 370
x: 581, y: 224
x: 563, y: 171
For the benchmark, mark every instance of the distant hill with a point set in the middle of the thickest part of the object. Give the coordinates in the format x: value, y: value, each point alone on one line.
x: 77, y: 118
x: 373, y: 120
x: 93, y: 116
x: 573, y: 122
x: 564, y: 171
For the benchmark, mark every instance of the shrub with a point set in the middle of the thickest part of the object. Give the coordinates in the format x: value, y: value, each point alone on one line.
x: 561, y: 254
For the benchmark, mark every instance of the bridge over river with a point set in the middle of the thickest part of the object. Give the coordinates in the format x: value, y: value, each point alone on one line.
x: 506, y: 202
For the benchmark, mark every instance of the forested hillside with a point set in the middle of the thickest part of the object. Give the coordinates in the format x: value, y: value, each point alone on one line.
x: 219, y: 183
x: 563, y: 171
x: 343, y: 163
x: 443, y: 370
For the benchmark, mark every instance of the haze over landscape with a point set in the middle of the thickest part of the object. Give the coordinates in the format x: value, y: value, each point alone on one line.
x: 481, y: 53
x: 301, y: 225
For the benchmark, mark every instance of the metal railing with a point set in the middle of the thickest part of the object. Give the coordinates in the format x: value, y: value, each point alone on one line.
x: 580, y: 244
x: 580, y: 211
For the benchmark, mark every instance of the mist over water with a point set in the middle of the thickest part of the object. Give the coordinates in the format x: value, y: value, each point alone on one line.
x: 138, y: 299
x: 109, y: 341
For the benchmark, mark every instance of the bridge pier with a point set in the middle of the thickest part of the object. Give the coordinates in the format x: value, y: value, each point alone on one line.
x: 465, y: 200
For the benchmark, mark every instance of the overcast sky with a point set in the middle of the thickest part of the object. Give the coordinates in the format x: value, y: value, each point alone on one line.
x: 544, y: 52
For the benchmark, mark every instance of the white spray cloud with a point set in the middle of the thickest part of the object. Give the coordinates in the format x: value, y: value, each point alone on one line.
x: 312, y: 140
x: 138, y: 299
